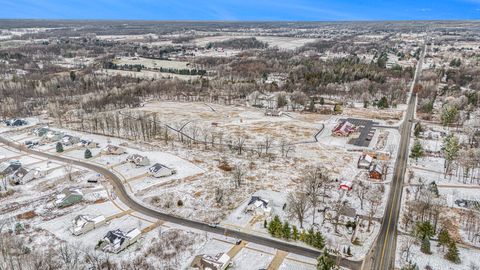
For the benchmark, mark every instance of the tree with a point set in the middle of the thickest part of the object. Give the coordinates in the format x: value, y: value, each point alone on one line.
x: 444, y: 238
x: 238, y: 174
x: 424, y: 230
x: 417, y: 150
x: 297, y: 206
x: 452, y: 254
x: 275, y: 227
x: 281, y: 100
x: 450, y: 149
x: 286, y: 230
x: 425, y: 247
x: 325, y: 262
x: 295, y: 235
x: 410, y: 266
x: 417, y: 129
x: 449, y: 115
x: 382, y: 103
x: 72, y: 75
x: 361, y: 191
x: 88, y: 154
x: 59, y: 147
x: 434, y: 189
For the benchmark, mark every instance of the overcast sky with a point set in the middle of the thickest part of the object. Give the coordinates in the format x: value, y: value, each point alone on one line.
x: 301, y: 10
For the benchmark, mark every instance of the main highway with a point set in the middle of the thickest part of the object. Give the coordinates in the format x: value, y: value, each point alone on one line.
x: 126, y: 198
x: 382, y: 256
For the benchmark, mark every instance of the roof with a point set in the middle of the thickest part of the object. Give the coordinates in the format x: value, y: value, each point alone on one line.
x: 367, y: 158
x: 344, y: 127
x: 157, y: 167
x: 376, y: 168
x: 257, y: 201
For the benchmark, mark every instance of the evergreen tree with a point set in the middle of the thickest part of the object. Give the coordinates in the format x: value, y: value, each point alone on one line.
x: 265, y: 224
x: 417, y: 129
x: 424, y: 230
x: 322, y: 101
x: 425, y: 247
x: 450, y: 149
x: 59, y: 147
x: 452, y: 254
x: 318, y: 240
x: 88, y: 154
x: 275, y: 227
x: 295, y: 234
x: 325, y: 262
x: 410, y: 266
x: 286, y: 230
x: 449, y: 115
x: 444, y: 238
x: 311, y: 107
x: 349, y: 251
x: 434, y: 189
x: 417, y: 150
x: 382, y: 103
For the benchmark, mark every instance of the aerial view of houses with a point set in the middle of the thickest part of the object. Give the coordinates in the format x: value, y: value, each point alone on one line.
x: 214, y: 141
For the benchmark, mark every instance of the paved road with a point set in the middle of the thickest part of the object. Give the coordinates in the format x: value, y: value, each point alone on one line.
x: 122, y: 194
x: 383, y: 254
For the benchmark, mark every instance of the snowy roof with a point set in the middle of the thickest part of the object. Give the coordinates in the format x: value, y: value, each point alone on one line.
x: 81, y: 220
x: 157, y: 167
x: 366, y: 157
x: 376, y: 168
x: 257, y: 201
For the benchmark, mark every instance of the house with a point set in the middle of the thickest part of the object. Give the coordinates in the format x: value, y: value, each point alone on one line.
x: 70, y: 140
x: 9, y: 167
x: 258, y: 206
x: 83, y: 224
x: 221, y: 261
x: 88, y: 144
x: 138, y: 160
x: 160, y: 170
x: 16, y: 122
x: 272, y: 112
x: 376, y: 171
x: 40, y: 132
x: 23, y: 175
x: 344, y: 129
x: 364, y: 161
x: 470, y: 204
x: 117, y: 240
x: 53, y: 136
x: 112, y: 150
x: 346, y: 185
x: 68, y: 196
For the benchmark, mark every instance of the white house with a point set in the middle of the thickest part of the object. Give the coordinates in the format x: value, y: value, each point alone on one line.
x: 112, y: 150
x: 70, y: 140
x: 258, y: 206
x: 364, y: 161
x: 83, y: 224
x: 138, y: 160
x: 117, y: 240
x: 23, y: 175
x: 346, y: 185
x: 221, y: 261
x: 160, y: 170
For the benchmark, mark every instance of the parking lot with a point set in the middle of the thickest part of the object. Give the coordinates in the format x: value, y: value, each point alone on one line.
x: 366, y: 131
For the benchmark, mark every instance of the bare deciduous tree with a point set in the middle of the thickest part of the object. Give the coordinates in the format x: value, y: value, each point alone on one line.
x: 297, y: 206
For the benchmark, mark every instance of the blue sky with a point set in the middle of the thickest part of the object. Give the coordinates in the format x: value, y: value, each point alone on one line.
x: 300, y: 10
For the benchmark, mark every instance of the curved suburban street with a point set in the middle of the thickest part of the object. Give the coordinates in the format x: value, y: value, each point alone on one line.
x: 123, y: 195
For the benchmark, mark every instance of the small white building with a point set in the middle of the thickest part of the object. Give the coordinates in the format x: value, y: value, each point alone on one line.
x: 364, y: 161
x: 258, y: 206
x: 112, y: 150
x: 23, y: 175
x: 160, y: 170
x: 117, y: 240
x: 138, y: 160
x: 70, y: 140
x: 83, y: 224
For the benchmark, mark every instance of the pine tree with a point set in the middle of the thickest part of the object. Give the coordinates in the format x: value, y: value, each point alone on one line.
x: 318, y: 240
x: 295, y: 235
x: 311, y: 107
x: 59, y: 147
x: 425, y: 247
x: 88, y: 154
x: 417, y: 150
x: 349, y: 251
x: 434, y: 189
x: 444, y: 238
x: 265, y: 223
x: 418, y: 129
x: 286, y: 230
x: 382, y: 103
x: 325, y: 262
x: 424, y: 230
x: 410, y: 266
x: 452, y: 254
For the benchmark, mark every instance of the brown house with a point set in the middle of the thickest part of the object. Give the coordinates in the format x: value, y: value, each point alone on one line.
x: 376, y: 172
